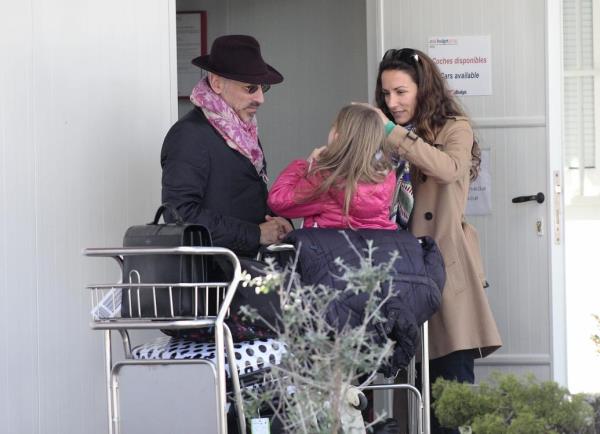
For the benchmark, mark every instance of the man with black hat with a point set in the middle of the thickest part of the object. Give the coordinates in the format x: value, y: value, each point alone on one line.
x: 214, y: 170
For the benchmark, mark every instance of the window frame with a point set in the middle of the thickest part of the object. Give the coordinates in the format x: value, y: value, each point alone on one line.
x: 594, y: 73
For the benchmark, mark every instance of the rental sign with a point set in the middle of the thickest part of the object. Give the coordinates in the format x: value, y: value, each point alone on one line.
x: 465, y: 63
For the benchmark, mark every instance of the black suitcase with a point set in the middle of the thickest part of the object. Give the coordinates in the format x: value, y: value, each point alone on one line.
x: 164, y: 269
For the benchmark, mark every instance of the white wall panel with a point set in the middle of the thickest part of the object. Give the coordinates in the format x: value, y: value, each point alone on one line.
x: 86, y: 100
x: 19, y: 301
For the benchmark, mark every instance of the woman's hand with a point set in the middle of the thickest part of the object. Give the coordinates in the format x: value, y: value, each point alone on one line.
x: 383, y: 117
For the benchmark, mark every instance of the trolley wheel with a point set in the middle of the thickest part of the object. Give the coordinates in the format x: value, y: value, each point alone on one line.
x: 362, y: 402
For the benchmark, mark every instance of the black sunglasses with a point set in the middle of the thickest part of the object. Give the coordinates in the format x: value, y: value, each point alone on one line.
x: 253, y: 88
x: 406, y: 55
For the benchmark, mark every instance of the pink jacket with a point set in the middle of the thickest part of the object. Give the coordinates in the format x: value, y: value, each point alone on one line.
x: 369, y: 208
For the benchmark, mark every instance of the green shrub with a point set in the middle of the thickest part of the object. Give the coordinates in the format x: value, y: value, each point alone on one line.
x: 509, y: 404
x: 594, y: 401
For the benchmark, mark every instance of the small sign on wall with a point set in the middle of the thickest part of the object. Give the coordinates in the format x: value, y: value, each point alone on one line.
x: 191, y: 43
x: 480, y: 192
x: 465, y: 62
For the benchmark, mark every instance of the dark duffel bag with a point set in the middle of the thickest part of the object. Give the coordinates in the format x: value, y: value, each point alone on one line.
x: 165, y: 269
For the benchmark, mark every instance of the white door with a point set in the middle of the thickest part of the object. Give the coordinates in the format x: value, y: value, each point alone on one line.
x: 517, y: 240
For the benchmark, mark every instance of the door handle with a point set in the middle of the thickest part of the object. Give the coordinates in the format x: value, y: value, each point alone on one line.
x: 539, y: 198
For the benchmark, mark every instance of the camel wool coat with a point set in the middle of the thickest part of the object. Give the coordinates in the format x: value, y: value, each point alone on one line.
x: 440, y: 177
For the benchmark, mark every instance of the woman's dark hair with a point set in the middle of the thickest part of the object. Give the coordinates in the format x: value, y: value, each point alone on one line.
x: 435, y: 102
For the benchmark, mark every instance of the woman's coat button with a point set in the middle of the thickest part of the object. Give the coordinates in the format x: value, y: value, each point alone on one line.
x: 428, y: 216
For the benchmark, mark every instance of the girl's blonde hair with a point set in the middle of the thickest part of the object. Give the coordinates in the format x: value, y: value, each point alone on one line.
x: 352, y: 156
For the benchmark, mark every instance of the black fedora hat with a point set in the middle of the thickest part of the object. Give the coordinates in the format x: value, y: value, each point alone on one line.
x: 238, y: 57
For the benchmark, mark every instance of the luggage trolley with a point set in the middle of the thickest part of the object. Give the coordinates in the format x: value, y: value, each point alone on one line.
x: 214, y: 373
x: 107, y: 317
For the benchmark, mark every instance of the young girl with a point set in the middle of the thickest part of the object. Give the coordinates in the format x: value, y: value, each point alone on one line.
x: 346, y: 184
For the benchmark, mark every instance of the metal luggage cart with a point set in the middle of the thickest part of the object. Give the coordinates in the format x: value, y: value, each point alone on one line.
x: 218, y: 294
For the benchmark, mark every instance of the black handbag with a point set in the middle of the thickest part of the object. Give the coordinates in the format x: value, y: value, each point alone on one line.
x: 164, y: 269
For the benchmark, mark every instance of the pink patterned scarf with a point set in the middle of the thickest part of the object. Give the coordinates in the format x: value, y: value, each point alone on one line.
x: 239, y: 135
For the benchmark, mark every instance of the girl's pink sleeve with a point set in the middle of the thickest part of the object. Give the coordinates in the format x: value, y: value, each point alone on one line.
x: 289, y: 185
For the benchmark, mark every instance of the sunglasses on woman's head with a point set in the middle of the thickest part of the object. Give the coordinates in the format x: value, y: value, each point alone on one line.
x: 406, y: 55
x: 253, y: 88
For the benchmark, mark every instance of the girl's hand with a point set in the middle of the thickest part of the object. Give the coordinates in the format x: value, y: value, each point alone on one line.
x: 383, y: 117
x: 314, y: 155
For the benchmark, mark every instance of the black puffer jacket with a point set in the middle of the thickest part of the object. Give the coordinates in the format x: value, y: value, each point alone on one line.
x: 417, y: 283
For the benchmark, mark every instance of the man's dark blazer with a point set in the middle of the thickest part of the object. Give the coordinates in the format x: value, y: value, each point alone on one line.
x: 212, y: 184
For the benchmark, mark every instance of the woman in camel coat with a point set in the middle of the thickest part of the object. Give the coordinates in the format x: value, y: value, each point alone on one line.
x: 464, y: 321
x: 428, y: 129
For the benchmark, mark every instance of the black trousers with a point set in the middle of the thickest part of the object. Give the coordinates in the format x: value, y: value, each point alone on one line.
x: 458, y: 366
